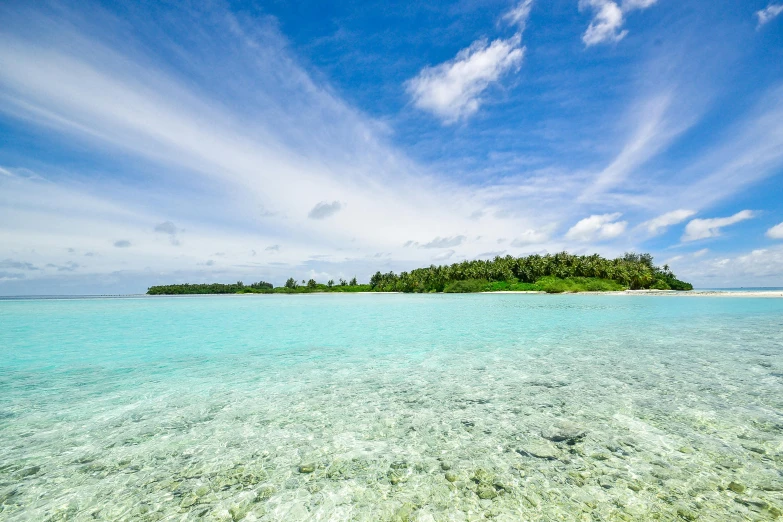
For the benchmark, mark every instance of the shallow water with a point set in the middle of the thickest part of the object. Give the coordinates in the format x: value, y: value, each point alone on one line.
x: 391, y: 407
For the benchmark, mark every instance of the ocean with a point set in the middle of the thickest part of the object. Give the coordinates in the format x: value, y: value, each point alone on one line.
x: 391, y: 408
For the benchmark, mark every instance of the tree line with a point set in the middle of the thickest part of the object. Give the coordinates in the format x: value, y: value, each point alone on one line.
x: 562, y: 272
x: 632, y: 271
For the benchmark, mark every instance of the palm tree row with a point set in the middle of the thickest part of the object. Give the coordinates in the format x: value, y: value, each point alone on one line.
x: 634, y: 271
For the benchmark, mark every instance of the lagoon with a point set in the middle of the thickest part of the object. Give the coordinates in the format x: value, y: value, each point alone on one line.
x: 391, y: 407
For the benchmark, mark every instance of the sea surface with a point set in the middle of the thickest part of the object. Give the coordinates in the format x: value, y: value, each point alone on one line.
x: 392, y: 408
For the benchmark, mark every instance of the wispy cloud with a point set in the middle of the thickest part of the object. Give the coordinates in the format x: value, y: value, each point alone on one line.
x: 659, y: 224
x: 768, y: 13
x: 444, y: 242
x: 17, y: 265
x: 67, y: 267
x: 122, y: 243
x: 530, y: 237
x: 453, y: 90
x: 597, y: 227
x: 443, y: 256
x: 519, y: 14
x: 775, y: 232
x: 706, y: 228
x: 609, y: 19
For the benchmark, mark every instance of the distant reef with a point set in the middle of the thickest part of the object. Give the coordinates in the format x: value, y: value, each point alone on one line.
x: 551, y: 273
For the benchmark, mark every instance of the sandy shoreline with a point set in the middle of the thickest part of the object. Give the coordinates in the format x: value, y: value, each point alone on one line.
x: 671, y: 293
x: 775, y: 294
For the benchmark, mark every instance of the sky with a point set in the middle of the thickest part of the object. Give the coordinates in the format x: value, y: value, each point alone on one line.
x: 148, y: 143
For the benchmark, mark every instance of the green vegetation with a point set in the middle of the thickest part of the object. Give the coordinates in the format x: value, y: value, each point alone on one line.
x: 555, y: 273
x: 550, y: 285
x: 552, y: 273
x: 215, y: 288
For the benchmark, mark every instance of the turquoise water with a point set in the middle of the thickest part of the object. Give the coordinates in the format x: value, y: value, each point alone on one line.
x: 392, y: 407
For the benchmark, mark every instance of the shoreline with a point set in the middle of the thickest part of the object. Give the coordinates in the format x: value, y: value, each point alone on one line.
x: 767, y: 294
x: 668, y: 293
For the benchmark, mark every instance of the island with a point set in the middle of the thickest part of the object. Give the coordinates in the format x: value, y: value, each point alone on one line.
x: 550, y: 273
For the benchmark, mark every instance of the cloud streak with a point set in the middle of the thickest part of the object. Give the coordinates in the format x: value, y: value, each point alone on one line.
x: 706, y: 228
x: 659, y: 224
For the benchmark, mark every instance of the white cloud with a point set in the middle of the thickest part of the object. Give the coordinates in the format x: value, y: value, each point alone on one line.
x: 452, y: 90
x: 760, y: 267
x: 529, y: 237
x: 661, y: 223
x: 776, y: 232
x: 768, y: 13
x: 519, y: 14
x: 606, y: 24
x: 597, y: 227
x: 608, y: 21
x: 705, y: 228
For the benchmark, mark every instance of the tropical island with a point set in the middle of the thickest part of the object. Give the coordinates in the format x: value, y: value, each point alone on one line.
x: 550, y: 273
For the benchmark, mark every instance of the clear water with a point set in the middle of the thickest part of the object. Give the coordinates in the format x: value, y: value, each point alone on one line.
x: 351, y: 407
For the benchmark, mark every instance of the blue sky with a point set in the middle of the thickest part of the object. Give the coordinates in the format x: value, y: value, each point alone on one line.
x: 150, y: 143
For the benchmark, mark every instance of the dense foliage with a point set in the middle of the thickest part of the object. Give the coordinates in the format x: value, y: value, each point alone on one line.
x: 634, y: 271
x: 552, y: 273
x: 212, y: 288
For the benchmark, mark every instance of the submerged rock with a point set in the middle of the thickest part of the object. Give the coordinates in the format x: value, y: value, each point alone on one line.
x: 403, y: 513
x: 306, y: 468
x: 481, y: 476
x: 188, y: 501
x: 28, y: 472
x: 539, y: 450
x: 564, y: 431
x: 754, y: 449
x: 736, y: 487
x: 686, y: 513
x: 486, y: 492
x: 451, y: 476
